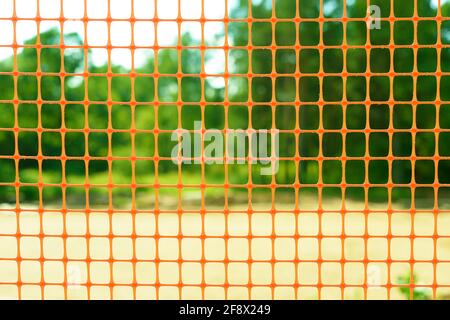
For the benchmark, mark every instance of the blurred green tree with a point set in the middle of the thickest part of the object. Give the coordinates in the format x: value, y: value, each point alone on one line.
x: 261, y: 61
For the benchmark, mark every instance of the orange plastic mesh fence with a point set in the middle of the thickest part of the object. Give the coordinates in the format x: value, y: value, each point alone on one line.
x: 312, y: 249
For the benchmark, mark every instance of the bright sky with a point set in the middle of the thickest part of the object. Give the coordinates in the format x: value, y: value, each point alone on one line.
x: 97, y: 32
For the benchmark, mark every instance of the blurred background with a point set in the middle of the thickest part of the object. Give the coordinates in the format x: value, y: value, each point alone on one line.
x: 107, y: 113
x: 262, y: 61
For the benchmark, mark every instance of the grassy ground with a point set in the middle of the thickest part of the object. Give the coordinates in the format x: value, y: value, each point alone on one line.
x: 240, y: 248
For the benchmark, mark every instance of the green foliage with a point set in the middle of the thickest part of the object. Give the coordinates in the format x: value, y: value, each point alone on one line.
x: 100, y: 116
x: 417, y: 293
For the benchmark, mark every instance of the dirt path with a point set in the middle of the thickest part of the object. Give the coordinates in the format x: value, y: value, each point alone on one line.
x: 239, y: 247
